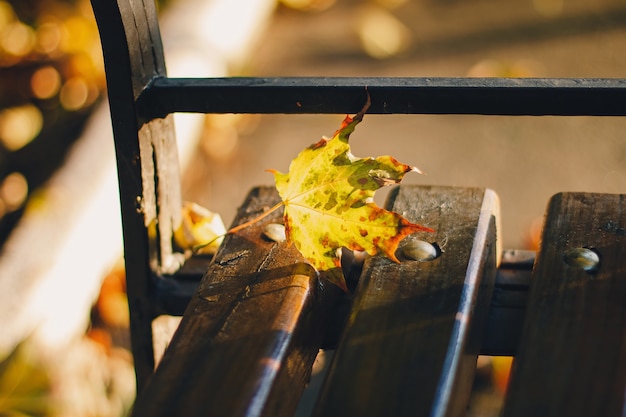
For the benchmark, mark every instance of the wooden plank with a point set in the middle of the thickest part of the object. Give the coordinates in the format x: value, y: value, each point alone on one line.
x: 506, y: 311
x: 572, y: 360
x: 248, y: 338
x: 413, y: 335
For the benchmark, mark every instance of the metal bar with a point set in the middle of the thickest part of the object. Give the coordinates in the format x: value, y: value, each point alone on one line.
x: 123, y: 86
x: 486, y: 96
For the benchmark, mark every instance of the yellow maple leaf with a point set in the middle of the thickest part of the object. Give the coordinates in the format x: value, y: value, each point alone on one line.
x: 327, y: 197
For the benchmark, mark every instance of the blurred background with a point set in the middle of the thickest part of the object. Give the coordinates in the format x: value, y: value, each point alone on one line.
x: 71, y: 358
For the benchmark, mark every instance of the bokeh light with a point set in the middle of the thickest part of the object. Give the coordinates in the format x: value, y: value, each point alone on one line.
x: 17, y: 39
x: 382, y: 35
x: 549, y: 8
x: 45, y: 82
x: 79, y: 33
x: 74, y: 94
x: 308, y: 5
x: 13, y: 191
x: 19, y: 126
x: 7, y: 15
x: 49, y: 36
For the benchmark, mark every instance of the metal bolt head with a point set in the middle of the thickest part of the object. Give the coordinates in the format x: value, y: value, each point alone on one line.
x: 582, y: 258
x: 275, y: 232
x: 419, y: 250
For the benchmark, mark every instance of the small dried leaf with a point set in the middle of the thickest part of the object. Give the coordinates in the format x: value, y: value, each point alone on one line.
x: 200, y: 228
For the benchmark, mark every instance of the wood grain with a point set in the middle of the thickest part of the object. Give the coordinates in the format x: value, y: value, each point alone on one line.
x: 248, y: 338
x: 413, y: 335
x: 572, y: 357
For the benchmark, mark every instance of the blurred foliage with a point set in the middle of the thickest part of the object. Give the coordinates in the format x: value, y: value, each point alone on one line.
x: 49, y: 55
x: 25, y: 385
x: 51, y: 76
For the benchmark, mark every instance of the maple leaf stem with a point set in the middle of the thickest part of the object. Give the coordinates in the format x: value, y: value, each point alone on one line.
x: 197, y: 248
x: 241, y: 226
x: 256, y: 219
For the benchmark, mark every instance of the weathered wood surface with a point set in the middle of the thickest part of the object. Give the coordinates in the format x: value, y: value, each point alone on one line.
x: 248, y: 339
x: 572, y: 357
x: 413, y: 335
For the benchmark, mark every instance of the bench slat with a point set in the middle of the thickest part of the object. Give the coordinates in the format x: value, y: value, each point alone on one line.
x: 252, y: 330
x: 412, y: 338
x: 572, y: 357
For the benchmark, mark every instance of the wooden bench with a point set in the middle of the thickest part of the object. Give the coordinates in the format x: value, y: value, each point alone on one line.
x: 407, y: 337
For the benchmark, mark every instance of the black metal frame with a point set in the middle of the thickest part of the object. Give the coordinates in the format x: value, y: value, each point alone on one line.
x: 480, y: 96
x: 142, y: 98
